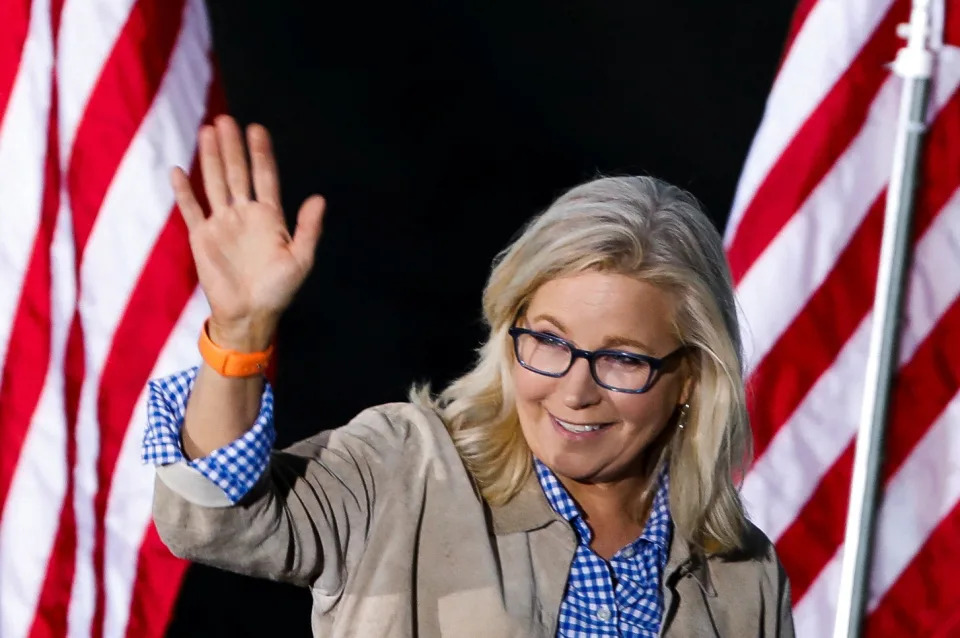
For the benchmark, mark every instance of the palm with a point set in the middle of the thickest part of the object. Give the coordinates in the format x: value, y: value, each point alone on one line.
x: 246, y: 265
x: 247, y: 262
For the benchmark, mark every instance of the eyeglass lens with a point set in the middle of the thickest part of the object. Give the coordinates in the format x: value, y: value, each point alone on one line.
x: 553, y: 357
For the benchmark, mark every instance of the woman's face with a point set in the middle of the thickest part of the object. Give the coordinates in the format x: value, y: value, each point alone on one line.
x: 597, y: 311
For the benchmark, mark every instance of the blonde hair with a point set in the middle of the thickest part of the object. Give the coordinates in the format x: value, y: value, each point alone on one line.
x: 654, y: 232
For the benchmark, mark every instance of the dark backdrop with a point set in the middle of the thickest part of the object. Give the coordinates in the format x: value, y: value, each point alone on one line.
x: 435, y: 129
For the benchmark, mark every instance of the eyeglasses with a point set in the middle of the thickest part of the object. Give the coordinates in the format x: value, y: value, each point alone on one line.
x: 615, y: 370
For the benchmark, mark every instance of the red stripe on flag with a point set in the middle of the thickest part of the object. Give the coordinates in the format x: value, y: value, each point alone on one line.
x: 159, y: 575
x: 15, y: 18
x: 124, y: 92
x: 951, y: 26
x: 923, y: 601
x: 816, y: 146
x: 812, y: 341
x: 924, y: 387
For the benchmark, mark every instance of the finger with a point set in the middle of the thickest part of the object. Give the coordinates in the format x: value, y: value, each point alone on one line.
x: 186, y: 201
x: 307, y: 233
x: 263, y: 166
x: 234, y: 157
x: 211, y: 169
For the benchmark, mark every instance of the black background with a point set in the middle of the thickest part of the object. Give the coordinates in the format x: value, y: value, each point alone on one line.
x: 434, y: 130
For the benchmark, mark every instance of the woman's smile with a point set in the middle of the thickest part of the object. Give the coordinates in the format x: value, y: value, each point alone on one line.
x: 575, y: 431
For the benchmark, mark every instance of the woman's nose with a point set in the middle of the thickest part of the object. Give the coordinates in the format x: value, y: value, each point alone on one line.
x: 578, y: 387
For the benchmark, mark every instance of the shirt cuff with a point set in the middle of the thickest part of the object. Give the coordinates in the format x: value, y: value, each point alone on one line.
x: 236, y: 467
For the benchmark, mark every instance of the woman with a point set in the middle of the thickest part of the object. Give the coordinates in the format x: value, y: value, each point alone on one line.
x: 577, y: 482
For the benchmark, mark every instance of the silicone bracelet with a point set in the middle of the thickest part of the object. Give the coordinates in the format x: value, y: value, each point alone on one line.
x: 231, y: 363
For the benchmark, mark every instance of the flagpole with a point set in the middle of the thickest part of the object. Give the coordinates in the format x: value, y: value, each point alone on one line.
x: 914, y: 63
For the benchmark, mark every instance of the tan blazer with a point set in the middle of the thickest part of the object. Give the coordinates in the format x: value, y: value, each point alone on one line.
x: 381, y: 521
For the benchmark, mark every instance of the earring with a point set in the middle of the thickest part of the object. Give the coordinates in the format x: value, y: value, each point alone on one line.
x: 682, y: 419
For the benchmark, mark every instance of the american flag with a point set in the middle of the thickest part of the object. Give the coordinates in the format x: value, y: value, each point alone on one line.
x: 803, y: 241
x: 98, y: 99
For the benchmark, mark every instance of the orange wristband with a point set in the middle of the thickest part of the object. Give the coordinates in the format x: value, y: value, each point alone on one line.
x: 231, y: 363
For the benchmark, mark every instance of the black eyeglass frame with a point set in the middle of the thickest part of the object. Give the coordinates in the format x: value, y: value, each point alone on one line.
x: 656, y: 363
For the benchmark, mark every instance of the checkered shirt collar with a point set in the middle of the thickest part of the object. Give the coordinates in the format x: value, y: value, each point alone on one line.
x: 657, y: 529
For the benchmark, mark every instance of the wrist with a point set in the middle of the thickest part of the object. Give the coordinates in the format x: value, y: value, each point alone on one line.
x: 242, y: 335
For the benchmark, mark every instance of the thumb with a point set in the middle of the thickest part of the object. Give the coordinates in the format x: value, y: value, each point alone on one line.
x: 307, y: 233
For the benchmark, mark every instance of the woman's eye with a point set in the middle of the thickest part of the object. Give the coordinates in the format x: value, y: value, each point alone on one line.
x: 548, y: 340
x: 625, y: 360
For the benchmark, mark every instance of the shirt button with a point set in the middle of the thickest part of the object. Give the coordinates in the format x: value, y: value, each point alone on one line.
x: 603, y: 613
x: 629, y: 552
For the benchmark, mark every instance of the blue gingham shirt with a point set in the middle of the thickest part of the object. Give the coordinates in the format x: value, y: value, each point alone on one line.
x: 235, y: 467
x: 619, y: 598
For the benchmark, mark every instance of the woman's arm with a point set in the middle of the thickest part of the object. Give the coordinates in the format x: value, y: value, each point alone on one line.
x: 306, y: 521
x: 219, y: 411
x: 248, y: 265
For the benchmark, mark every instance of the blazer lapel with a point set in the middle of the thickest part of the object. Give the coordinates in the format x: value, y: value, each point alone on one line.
x: 687, y: 591
x: 551, y: 544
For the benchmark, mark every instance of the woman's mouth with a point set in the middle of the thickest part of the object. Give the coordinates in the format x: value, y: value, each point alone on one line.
x: 578, y: 429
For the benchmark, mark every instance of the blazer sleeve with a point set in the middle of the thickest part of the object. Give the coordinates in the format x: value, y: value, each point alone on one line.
x: 305, y: 521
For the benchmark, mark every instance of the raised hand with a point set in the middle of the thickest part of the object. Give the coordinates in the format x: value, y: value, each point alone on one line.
x: 248, y: 264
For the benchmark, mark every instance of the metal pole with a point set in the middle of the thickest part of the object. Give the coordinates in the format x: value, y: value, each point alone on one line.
x: 914, y: 64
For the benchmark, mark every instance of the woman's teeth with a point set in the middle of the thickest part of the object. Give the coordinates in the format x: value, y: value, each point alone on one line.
x: 578, y: 429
